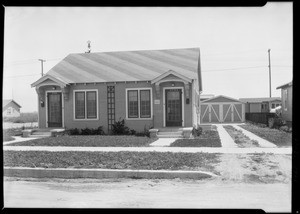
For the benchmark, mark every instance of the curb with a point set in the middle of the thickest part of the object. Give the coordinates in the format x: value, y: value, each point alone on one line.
x: 102, y: 173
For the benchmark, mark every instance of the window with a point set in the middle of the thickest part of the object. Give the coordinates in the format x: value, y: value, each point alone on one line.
x: 145, y: 103
x: 9, y: 111
x: 139, y: 103
x: 262, y: 106
x: 85, y: 104
x: 277, y: 105
x: 273, y: 105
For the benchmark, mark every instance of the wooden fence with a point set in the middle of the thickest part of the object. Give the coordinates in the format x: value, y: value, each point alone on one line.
x: 262, y: 117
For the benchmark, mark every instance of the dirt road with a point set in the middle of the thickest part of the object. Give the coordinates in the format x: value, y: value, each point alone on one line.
x: 128, y: 193
x: 253, y: 181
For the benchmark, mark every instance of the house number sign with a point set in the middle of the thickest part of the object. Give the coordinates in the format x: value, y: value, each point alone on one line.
x: 157, y: 102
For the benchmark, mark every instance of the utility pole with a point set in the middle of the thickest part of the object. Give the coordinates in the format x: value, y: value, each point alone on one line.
x: 270, y: 72
x: 42, y: 61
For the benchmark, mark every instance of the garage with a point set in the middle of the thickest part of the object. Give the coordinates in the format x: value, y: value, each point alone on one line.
x: 222, y: 109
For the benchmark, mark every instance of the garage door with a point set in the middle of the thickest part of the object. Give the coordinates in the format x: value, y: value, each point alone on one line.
x: 223, y: 111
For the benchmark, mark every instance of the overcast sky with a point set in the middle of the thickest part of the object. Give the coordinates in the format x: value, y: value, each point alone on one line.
x: 233, y: 43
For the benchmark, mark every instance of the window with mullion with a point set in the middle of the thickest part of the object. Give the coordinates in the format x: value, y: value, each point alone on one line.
x: 79, y: 105
x: 91, y: 104
x: 145, y: 107
x: 133, y: 104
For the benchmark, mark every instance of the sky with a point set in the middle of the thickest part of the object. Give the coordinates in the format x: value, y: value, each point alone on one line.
x: 233, y: 42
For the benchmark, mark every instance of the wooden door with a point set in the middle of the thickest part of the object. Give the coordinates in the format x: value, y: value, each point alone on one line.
x: 173, y: 107
x: 54, y: 109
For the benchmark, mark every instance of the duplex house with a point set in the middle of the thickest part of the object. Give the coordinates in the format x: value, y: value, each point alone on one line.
x: 10, y: 108
x: 147, y: 88
x: 287, y: 101
x: 257, y: 105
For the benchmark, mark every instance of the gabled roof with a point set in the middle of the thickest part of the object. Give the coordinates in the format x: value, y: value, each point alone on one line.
x: 220, y: 98
x: 173, y: 74
x: 259, y: 100
x: 56, y: 79
x: 6, y: 102
x: 285, y: 85
x: 144, y: 65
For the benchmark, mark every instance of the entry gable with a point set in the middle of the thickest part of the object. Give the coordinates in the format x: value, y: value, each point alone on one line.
x: 171, y: 76
x: 220, y: 99
x: 49, y: 80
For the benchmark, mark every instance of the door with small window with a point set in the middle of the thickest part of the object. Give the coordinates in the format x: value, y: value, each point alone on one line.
x: 54, y: 100
x: 173, y: 107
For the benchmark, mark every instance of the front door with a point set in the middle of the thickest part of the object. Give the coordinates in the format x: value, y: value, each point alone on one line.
x: 54, y: 109
x: 173, y: 107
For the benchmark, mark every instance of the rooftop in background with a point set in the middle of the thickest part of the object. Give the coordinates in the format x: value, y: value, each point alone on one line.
x: 285, y: 85
x: 206, y: 96
x: 259, y: 100
x: 143, y: 65
x: 6, y: 102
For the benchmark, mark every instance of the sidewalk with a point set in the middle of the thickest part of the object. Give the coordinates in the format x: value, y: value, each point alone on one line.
x: 152, y: 149
x: 225, y: 138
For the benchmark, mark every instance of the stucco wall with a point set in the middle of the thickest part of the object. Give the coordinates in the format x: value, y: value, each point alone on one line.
x: 120, y: 107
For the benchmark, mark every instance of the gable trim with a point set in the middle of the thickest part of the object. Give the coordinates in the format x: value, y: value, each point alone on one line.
x: 54, y: 79
x: 233, y: 100
x: 162, y: 76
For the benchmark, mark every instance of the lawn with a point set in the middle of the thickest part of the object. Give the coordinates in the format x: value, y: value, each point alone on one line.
x: 240, y: 138
x: 89, y: 141
x: 111, y: 160
x: 209, y: 138
x: 278, y: 137
x: 9, y: 133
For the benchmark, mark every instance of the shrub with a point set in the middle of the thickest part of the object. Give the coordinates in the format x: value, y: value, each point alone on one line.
x: 86, y: 131
x: 119, y: 128
x: 197, y: 131
x: 278, y: 122
x: 144, y: 133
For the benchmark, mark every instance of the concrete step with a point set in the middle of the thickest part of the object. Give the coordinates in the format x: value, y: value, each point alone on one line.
x: 39, y: 136
x: 170, y: 133
x: 169, y: 136
x: 41, y: 133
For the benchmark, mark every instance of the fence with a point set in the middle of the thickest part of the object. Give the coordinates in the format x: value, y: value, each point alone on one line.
x: 262, y: 117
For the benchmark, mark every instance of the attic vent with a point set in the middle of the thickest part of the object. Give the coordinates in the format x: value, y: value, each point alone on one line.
x: 89, y: 47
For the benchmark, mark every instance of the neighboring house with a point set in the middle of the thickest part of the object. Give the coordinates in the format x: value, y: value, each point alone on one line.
x: 256, y: 105
x: 287, y: 100
x: 205, y: 97
x: 10, y: 108
x: 151, y: 88
x: 222, y: 109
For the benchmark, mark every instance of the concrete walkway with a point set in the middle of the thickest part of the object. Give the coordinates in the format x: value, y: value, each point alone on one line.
x: 262, y: 142
x: 226, y: 140
x: 163, y: 142
x: 19, y: 139
x: 151, y: 149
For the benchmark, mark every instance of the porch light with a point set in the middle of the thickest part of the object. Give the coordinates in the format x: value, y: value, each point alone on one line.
x: 173, y: 84
x: 53, y: 87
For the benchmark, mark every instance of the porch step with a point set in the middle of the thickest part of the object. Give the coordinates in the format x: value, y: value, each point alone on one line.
x: 169, y: 134
x: 41, y: 133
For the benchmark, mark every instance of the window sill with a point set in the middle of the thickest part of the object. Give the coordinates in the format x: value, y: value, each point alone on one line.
x: 138, y: 118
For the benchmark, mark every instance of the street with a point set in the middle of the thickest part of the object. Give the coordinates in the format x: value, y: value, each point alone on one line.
x: 141, y: 193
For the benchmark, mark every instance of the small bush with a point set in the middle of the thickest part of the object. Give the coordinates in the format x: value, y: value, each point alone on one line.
x: 196, y: 132
x: 119, y: 128
x: 278, y: 122
x: 86, y: 131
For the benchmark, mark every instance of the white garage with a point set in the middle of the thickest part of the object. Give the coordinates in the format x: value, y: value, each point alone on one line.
x: 222, y: 109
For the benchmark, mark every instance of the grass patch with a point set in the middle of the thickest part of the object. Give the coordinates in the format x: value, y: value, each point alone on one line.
x: 111, y: 160
x: 89, y: 141
x: 278, y: 137
x: 9, y: 133
x: 208, y: 138
x: 240, y: 138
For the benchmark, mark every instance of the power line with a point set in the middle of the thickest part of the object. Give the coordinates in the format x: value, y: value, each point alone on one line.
x: 21, y: 76
x: 240, y: 68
